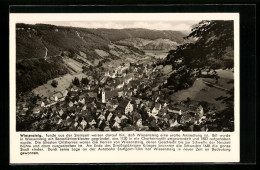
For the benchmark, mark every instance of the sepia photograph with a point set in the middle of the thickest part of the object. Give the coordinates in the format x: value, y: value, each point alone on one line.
x: 128, y: 75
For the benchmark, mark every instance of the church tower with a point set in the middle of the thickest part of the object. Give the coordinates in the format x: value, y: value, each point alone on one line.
x: 101, y: 94
x: 103, y: 97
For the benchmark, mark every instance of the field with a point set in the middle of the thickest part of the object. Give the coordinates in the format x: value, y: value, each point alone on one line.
x: 157, y: 53
x: 101, y: 53
x: 167, y: 69
x: 73, y: 65
x: 47, y: 90
x: 202, y: 92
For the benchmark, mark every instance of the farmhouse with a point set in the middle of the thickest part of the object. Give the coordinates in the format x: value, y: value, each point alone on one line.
x: 58, y: 96
x: 36, y: 110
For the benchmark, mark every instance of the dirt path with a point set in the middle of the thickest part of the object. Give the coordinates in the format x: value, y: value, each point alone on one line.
x: 214, y: 85
x: 46, y: 53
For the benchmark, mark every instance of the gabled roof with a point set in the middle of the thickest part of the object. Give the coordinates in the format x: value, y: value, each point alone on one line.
x: 92, y: 94
x: 75, y: 87
x: 59, y: 95
x: 123, y: 104
x: 82, y: 96
x: 111, y: 94
x: 39, y: 102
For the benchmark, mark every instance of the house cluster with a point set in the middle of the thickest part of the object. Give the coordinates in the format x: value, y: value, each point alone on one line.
x: 116, y: 101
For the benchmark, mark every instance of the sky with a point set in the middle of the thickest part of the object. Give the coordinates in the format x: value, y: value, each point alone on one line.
x: 177, y: 25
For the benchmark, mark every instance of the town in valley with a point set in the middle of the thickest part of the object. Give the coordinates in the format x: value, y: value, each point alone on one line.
x: 117, y: 84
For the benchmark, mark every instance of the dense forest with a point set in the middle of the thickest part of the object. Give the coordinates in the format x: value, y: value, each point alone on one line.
x: 212, y: 50
x: 32, y: 73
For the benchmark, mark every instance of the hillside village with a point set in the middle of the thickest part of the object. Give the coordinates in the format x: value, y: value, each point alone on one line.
x: 78, y: 79
x: 114, y: 99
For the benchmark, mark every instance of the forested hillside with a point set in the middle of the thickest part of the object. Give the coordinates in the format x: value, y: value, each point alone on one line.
x: 35, y: 43
x: 212, y: 50
x: 31, y: 39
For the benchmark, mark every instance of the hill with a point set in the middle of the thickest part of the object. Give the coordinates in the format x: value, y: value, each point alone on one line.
x: 148, y: 44
x: 32, y: 39
x: 42, y: 41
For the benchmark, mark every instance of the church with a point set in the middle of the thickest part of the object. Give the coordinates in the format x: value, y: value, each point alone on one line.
x: 101, y: 95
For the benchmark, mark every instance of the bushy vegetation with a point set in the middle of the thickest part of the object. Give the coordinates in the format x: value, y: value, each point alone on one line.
x: 130, y: 47
x: 76, y: 81
x: 54, y: 83
x: 32, y: 73
x: 28, y: 46
x: 84, y: 80
x: 212, y: 50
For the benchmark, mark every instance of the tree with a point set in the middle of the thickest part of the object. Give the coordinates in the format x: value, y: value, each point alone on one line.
x: 75, y: 81
x: 85, y: 80
x: 212, y: 49
x: 226, y: 117
x: 54, y: 83
x: 187, y: 100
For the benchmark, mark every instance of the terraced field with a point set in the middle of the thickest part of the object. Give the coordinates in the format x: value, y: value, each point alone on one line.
x: 73, y: 65
x: 47, y: 90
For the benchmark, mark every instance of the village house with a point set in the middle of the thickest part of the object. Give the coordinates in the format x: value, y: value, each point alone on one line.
x: 64, y: 93
x: 111, y: 94
x: 116, y: 125
x: 117, y: 119
x: 174, y: 110
x: 36, y: 110
x: 93, y: 122
x: 71, y: 104
x: 120, y: 93
x: 110, y: 115
x: 22, y: 106
x: 174, y: 123
x: 120, y: 86
x: 114, y: 103
x: 61, y: 112
x: 74, y: 89
x: 128, y: 93
x: 128, y: 78
x: 156, y: 108
x: 125, y: 106
x: 58, y: 96
x: 83, y: 123
x: 82, y: 99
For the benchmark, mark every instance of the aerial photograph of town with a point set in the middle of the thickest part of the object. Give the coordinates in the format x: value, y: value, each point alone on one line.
x: 125, y: 76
